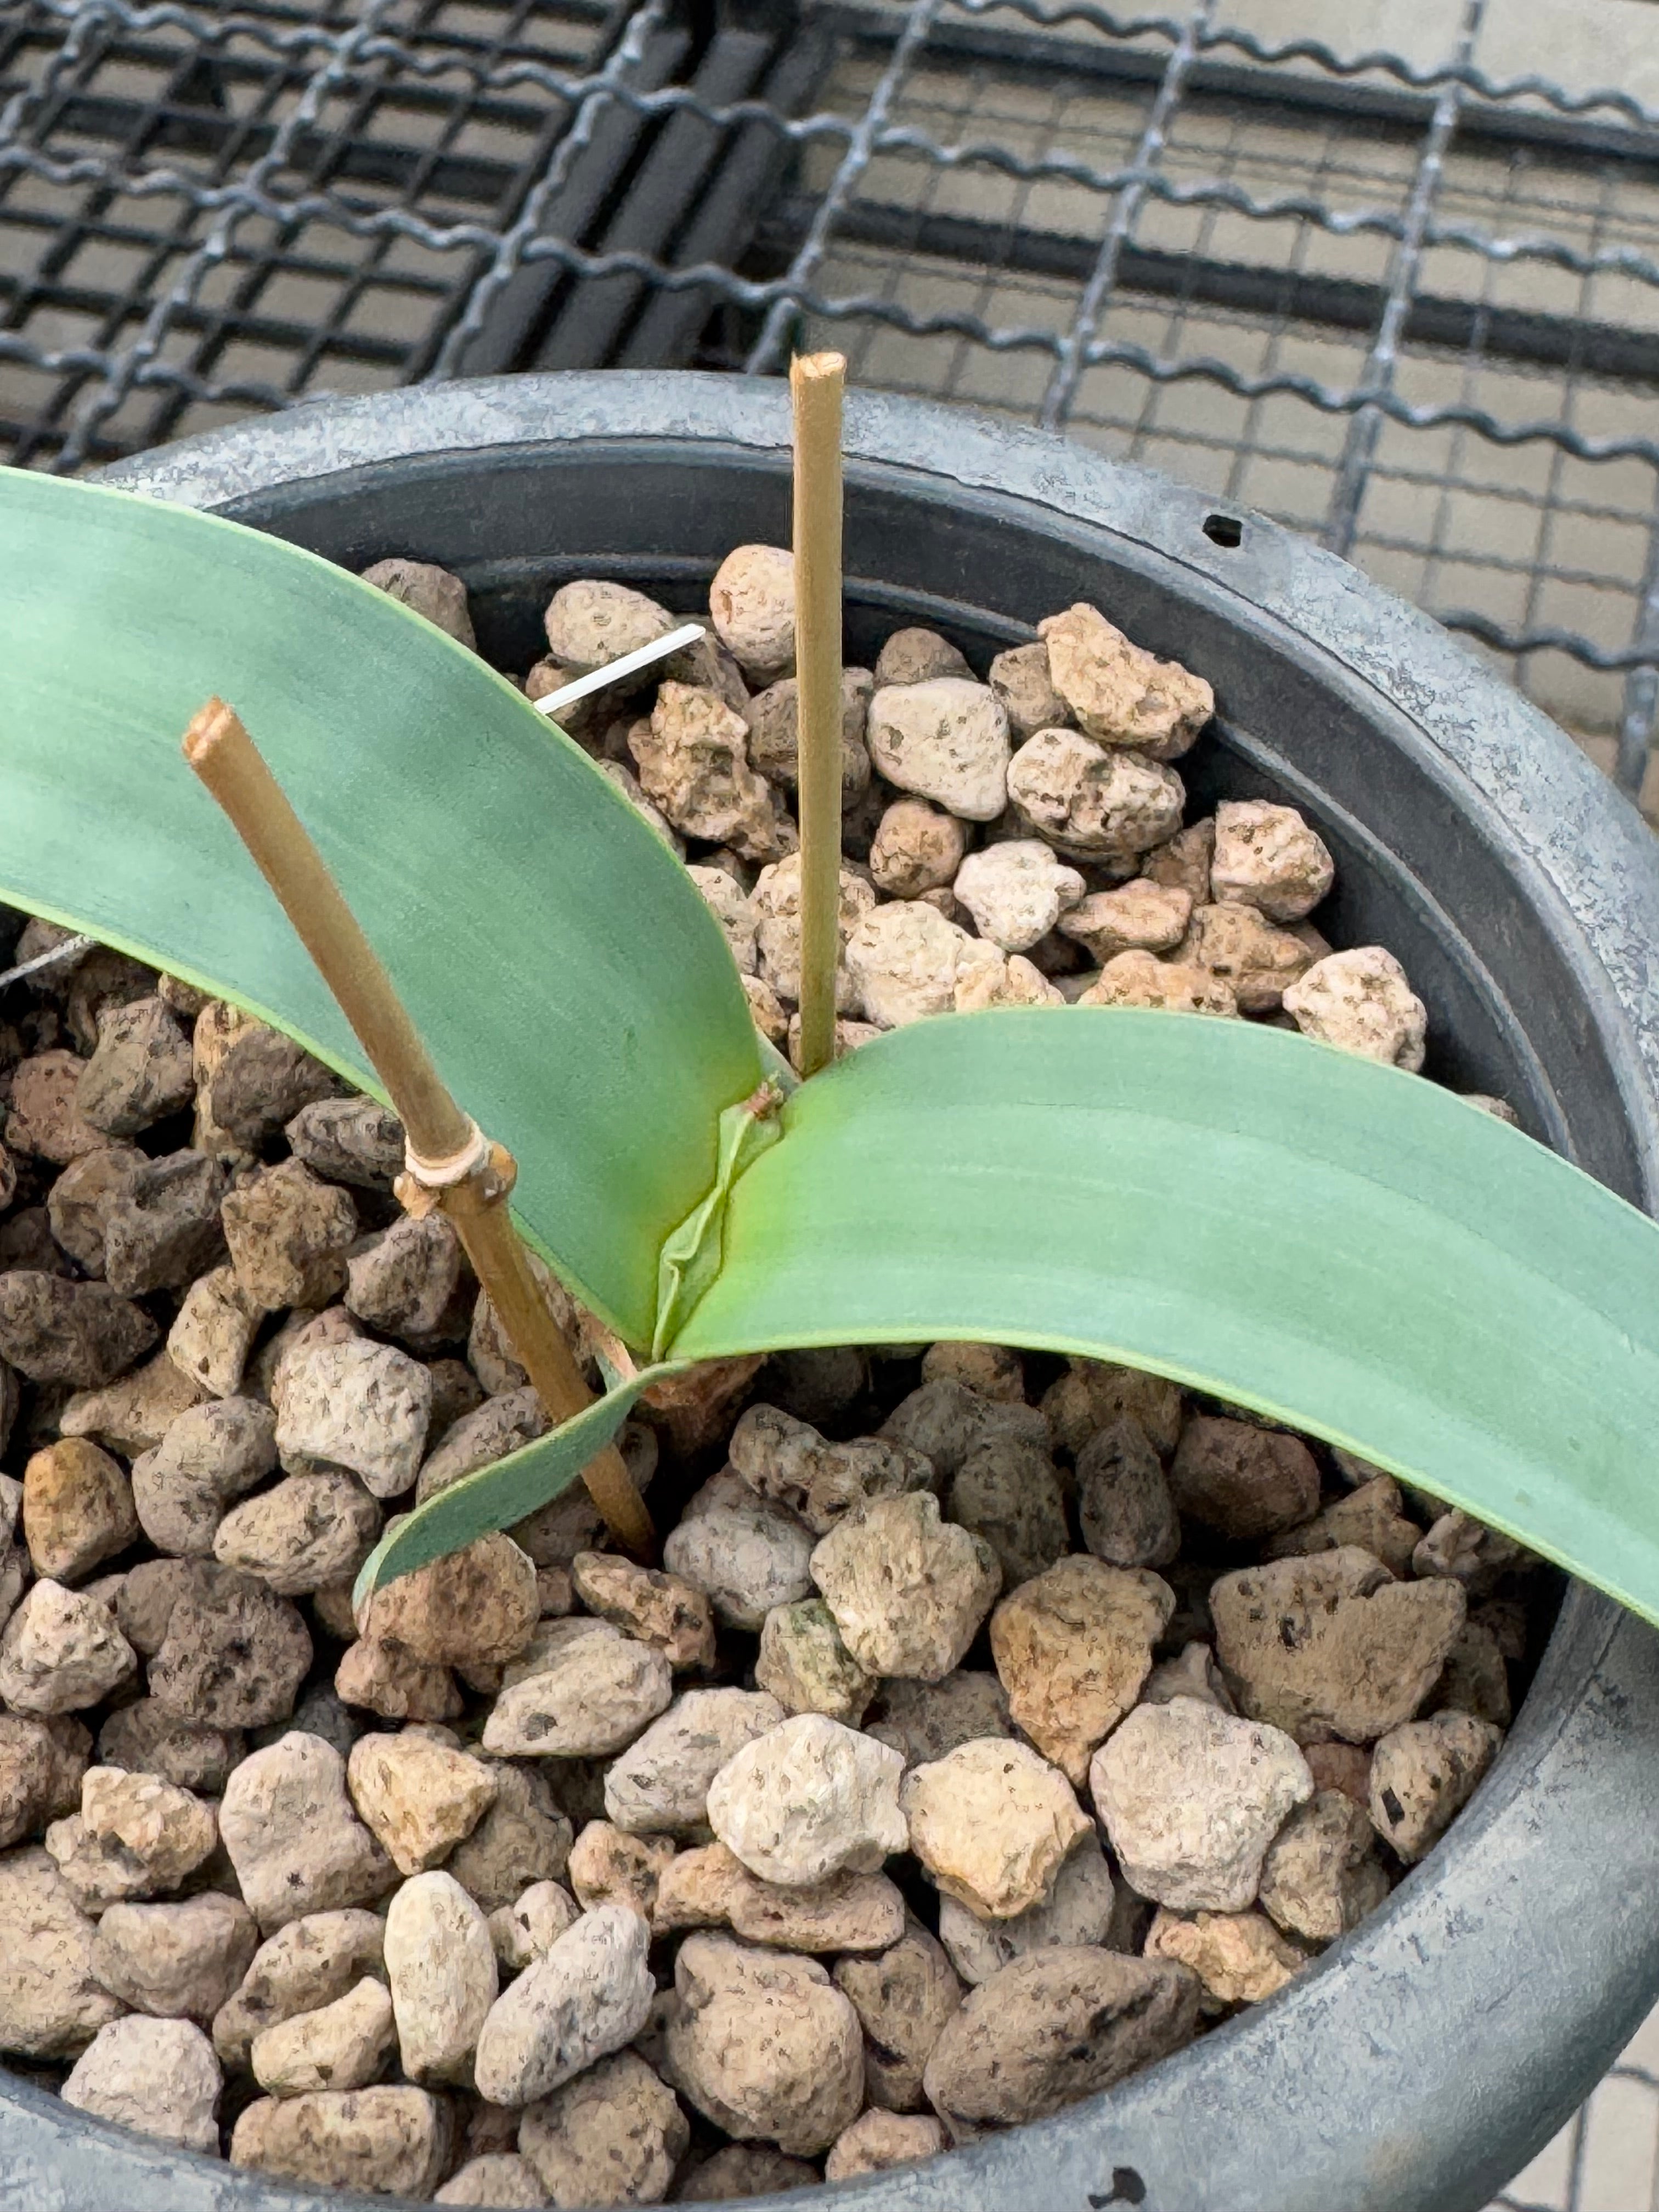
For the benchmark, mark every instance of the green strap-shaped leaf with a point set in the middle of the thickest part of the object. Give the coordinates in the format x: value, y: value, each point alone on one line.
x: 1345, y: 1247
x: 573, y: 988
x: 1348, y: 1248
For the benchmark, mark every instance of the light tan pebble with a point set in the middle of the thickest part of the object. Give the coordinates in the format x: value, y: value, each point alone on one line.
x: 745, y: 2170
x: 1241, y: 947
x: 417, y: 1796
x: 394, y: 2140
x: 427, y: 590
x: 1268, y: 857
x: 693, y: 761
x: 288, y: 1235
x: 1372, y: 1516
x: 294, y: 1838
x: 210, y: 1340
x: 1054, y: 2026
x: 1475, y: 1679
x: 773, y: 717
x: 1244, y: 1482
x: 1118, y: 692
x: 995, y: 1372
x: 1424, y: 1773
x: 916, y: 848
x: 235, y: 1654
x: 77, y: 1509
x: 1361, y: 1001
x: 1191, y: 1798
x: 497, y: 2178
x: 1125, y: 1510
x: 1017, y: 891
x: 1331, y: 1644
x: 393, y: 1682
x: 608, y: 1867
x: 157, y: 2076
x: 991, y: 1823
x: 924, y: 1720
x: 848, y: 1036
x: 1469, y: 1552
x: 133, y: 1415
x: 878, y: 2141
x: 806, y: 1665
x: 527, y: 1930
x: 728, y: 903
x: 134, y: 1835
x: 764, y: 2045
x: 697, y: 1888
x: 845, y: 1913
x: 614, y: 2136
x: 908, y: 1591
x: 809, y: 1799
x: 52, y: 2004
x: 440, y: 1970
x: 746, y: 1556
x: 786, y: 1458
x: 1137, y: 917
x: 751, y: 601
x: 767, y: 1012
x: 946, y: 739
x: 1321, y: 1874
x: 1091, y: 801
x: 306, y: 1967
x: 523, y: 1838
x: 654, y: 1607
x: 1023, y: 681
x: 943, y: 1420
x: 44, y: 1120
x: 210, y: 1455
x: 175, y: 1961
x: 577, y: 1690
x: 61, y: 1652
x: 360, y: 1406
x: 1499, y: 1108
x: 1240, y: 1957
x: 1140, y: 978
x: 309, y: 1532
x: 775, y: 903
x: 404, y: 1280
x: 504, y: 1422
x: 906, y: 962
x: 343, y: 2045
x: 904, y: 1998
x: 1079, y: 1909
x: 916, y: 656
x: 1072, y: 1647
x: 591, y: 622
x: 1011, y: 982
x: 1194, y: 1675
x: 590, y: 1994
x: 478, y: 1606
x: 1008, y: 1492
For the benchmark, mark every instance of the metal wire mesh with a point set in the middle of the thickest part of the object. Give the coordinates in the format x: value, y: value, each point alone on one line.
x: 1397, y: 300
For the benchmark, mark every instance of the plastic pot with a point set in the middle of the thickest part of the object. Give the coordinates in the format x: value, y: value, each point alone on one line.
x: 1425, y: 2057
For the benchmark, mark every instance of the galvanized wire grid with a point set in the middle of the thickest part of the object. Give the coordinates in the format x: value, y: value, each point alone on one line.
x: 1412, y: 310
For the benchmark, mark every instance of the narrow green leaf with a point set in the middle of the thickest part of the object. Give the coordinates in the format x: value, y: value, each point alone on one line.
x: 1340, y: 1246
x: 575, y: 991
x: 497, y: 1496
